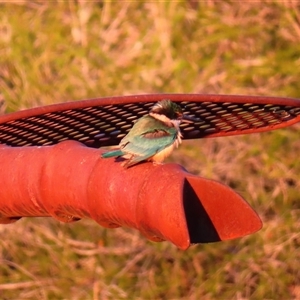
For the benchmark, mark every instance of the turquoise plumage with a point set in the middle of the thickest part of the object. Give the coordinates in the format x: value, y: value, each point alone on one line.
x: 153, y: 136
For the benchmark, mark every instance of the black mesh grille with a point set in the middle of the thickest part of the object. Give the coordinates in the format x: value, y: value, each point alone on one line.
x: 106, y: 125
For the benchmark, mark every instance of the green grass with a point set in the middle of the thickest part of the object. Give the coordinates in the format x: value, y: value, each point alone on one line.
x: 56, y: 51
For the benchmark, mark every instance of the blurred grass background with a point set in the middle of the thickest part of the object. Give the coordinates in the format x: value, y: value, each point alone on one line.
x: 56, y: 51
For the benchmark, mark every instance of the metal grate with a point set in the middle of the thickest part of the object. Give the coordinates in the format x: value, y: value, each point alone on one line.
x: 106, y: 124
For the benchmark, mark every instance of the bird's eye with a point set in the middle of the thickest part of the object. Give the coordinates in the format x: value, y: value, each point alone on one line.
x: 178, y: 114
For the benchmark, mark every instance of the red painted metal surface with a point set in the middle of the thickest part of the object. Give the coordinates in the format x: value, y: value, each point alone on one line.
x: 70, y: 181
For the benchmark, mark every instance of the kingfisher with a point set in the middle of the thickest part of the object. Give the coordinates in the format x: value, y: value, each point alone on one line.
x: 154, y: 136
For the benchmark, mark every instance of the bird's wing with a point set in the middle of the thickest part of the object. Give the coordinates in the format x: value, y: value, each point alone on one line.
x: 146, y: 138
x: 148, y: 127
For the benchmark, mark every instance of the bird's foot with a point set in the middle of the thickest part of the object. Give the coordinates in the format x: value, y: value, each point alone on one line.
x: 157, y: 163
x: 125, y: 164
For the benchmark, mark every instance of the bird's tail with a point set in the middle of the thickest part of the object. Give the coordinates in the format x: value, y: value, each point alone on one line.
x: 112, y: 153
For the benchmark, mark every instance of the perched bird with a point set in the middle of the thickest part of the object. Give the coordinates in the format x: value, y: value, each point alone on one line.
x: 154, y: 136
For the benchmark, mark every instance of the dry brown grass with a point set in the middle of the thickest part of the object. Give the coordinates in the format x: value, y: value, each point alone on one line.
x: 69, y: 50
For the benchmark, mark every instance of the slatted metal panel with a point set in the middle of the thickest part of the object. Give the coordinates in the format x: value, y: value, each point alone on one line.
x: 97, y: 124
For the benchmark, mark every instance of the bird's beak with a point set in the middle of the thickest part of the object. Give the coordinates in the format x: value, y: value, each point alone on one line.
x: 190, y: 119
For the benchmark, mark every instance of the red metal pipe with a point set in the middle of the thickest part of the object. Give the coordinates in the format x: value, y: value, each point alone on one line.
x: 70, y: 181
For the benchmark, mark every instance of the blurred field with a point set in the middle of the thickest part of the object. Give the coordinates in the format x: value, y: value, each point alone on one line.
x: 56, y: 51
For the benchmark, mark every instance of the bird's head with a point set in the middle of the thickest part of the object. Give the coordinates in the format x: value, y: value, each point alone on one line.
x: 168, y: 109
x: 170, y: 112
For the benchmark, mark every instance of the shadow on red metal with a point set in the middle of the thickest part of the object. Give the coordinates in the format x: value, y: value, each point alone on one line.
x: 69, y: 181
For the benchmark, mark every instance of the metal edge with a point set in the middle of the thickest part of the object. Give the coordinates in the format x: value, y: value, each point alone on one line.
x: 147, y: 98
